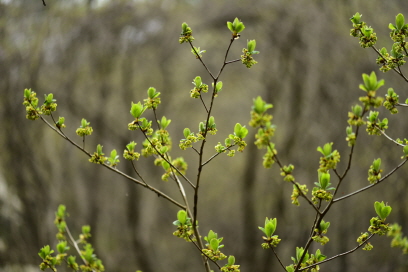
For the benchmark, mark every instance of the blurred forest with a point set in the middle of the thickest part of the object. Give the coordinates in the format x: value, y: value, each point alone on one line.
x: 98, y: 56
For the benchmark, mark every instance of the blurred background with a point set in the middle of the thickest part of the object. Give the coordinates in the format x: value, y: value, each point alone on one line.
x: 96, y: 57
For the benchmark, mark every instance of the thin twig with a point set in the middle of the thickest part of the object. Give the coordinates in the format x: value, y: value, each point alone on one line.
x: 74, y: 243
x: 164, y: 158
x: 277, y: 257
x: 388, y: 137
x: 203, y: 103
x: 372, y: 185
x: 225, y: 61
x: 395, y: 69
x: 338, y: 255
x: 158, y: 192
x: 44, y: 2
x: 232, y: 61
x: 137, y: 173
x: 202, y: 252
x: 218, y: 153
x: 195, y: 150
x: 198, y: 57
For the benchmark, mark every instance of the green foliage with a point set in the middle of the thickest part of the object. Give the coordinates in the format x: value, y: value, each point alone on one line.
x: 85, y: 129
x: 236, y: 27
x: 157, y: 143
x: 374, y: 173
x: 91, y: 262
x: 247, y: 58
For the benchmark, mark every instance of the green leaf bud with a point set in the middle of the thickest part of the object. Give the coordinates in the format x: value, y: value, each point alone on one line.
x: 201, y: 127
x: 182, y: 216
x: 391, y: 26
x: 326, y: 150
x: 131, y: 146
x: 62, y: 247
x: 231, y: 260
x: 151, y: 92
x: 356, y: 18
x: 406, y: 150
x: 86, y: 230
x: 382, y: 210
x: 218, y: 86
x: 237, y: 129
x: 137, y: 110
x: 251, y: 44
x: 164, y: 149
x: 197, y: 81
x: 186, y: 132
x: 377, y: 164
x: 357, y: 110
x: 399, y: 21
x: 99, y: 149
x: 260, y: 106
x: 214, y: 244
x: 164, y: 123
x: 211, y: 121
x: 324, y: 180
x: 184, y: 27
x: 235, y: 27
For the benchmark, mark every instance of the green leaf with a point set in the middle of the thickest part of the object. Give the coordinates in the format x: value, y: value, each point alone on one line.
x: 61, y: 211
x: 113, y: 154
x: 27, y: 93
x: 164, y: 123
x: 137, y: 110
x: 377, y: 164
x: 62, y: 247
x: 202, y: 127
x: 86, y: 229
x: 184, y: 27
x: 214, y: 243
x: 45, y: 251
x: 182, y: 216
x: 270, y: 228
x: 230, y: 26
x: 218, y: 86
x: 237, y: 129
x: 197, y: 81
x: 186, y: 132
x: 151, y: 92
x: 326, y: 150
x: 324, y: 180
x: 260, y: 106
x: 99, y: 149
x: 211, y: 122
x: 405, y: 150
x: 356, y: 18
x: 357, y: 110
x: 84, y: 123
x: 243, y: 133
x: 399, y: 21
x: 251, y: 44
x: 239, y: 27
x: 231, y: 260
x: 131, y: 146
x: 382, y: 210
x: 324, y: 225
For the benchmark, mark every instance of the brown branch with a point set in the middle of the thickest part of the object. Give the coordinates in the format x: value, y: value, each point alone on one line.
x: 372, y: 185
x: 158, y: 192
x: 338, y: 255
